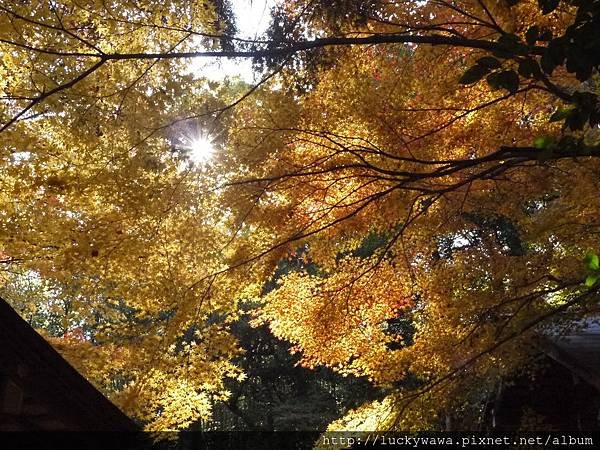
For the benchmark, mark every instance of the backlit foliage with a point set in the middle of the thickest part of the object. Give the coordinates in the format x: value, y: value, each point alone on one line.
x: 478, y: 210
x: 99, y: 202
x: 481, y: 253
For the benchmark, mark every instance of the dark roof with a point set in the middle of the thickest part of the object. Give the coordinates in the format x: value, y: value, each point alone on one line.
x: 579, y: 351
x: 40, y: 390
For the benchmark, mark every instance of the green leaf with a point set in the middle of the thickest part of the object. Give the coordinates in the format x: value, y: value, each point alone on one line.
x: 546, y: 145
x: 590, y: 280
x: 507, y: 79
x: 473, y: 74
x: 591, y: 261
x: 543, y: 142
x: 561, y: 114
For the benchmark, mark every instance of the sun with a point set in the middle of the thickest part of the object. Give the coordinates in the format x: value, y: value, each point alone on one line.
x: 201, y: 149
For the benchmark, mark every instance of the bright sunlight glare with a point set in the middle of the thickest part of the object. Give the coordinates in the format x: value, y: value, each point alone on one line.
x: 200, y: 149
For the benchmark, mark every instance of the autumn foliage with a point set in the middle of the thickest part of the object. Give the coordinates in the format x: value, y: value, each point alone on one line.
x: 435, y: 165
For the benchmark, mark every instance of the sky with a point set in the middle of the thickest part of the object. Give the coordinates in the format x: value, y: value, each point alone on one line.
x: 252, y: 19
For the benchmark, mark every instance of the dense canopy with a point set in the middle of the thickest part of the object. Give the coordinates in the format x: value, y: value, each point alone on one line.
x: 430, y: 167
